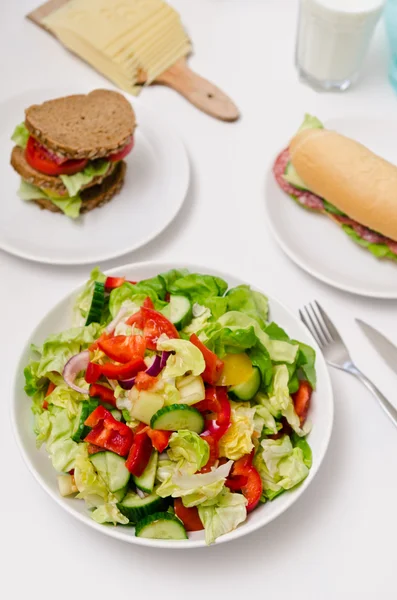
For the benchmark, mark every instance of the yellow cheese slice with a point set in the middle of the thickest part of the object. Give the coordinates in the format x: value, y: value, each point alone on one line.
x: 121, y: 38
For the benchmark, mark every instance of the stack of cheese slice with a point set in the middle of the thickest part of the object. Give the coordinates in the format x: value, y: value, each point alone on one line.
x: 122, y: 38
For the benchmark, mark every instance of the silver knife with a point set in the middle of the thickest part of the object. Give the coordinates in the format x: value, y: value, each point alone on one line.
x: 386, y: 349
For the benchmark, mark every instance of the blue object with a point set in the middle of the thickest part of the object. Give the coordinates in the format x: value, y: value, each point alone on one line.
x: 391, y: 28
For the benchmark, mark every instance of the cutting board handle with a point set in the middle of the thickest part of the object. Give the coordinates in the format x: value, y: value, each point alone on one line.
x: 200, y: 92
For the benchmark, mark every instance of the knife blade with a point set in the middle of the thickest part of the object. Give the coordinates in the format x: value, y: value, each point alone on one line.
x: 386, y: 349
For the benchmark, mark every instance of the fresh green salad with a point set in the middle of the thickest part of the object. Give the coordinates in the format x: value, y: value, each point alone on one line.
x: 172, y: 404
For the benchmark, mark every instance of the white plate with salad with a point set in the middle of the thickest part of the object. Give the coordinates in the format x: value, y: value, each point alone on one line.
x: 178, y: 406
x: 154, y: 190
x: 318, y: 245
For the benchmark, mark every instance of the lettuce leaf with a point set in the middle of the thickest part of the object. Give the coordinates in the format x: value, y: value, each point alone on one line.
x: 83, y: 300
x: 280, y: 465
x: 91, y: 486
x: 260, y: 358
x: 254, y: 304
x: 74, y: 183
x: 70, y: 206
x: 223, y: 516
x: 61, y: 449
x: 378, y: 250
x: 280, y: 400
x: 198, y: 287
x: 59, y: 348
x: 237, y: 441
x: 20, y: 135
x: 186, y: 358
x: 193, y: 489
x: 189, y: 450
x: 135, y: 294
x: 279, y: 351
x: 109, y: 513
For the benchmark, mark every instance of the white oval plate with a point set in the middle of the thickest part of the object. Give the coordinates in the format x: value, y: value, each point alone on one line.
x: 321, y: 416
x: 316, y: 243
x: 155, y: 187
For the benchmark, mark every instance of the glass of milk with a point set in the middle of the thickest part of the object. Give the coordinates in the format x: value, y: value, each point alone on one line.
x: 332, y: 40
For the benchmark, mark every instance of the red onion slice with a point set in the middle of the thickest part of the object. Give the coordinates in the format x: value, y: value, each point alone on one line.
x: 78, y: 362
x: 164, y: 357
x: 154, y: 369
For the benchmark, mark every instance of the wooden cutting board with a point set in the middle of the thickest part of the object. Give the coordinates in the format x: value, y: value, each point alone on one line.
x: 199, y: 91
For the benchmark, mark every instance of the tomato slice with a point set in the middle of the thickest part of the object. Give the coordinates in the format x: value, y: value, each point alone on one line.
x: 114, y: 282
x: 301, y: 400
x: 153, y: 324
x: 189, y: 516
x: 143, y: 381
x: 122, y: 153
x: 49, y: 163
x: 123, y: 348
x: 252, y: 488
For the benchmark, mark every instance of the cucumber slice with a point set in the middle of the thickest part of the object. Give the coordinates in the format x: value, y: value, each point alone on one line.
x: 84, y: 409
x: 292, y: 177
x: 161, y: 526
x: 248, y: 389
x: 178, y: 311
x: 146, y: 481
x: 178, y: 416
x: 98, y: 300
x: 136, y: 508
x: 120, y: 494
x: 111, y: 467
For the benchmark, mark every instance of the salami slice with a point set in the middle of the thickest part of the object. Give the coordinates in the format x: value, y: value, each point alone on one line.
x: 304, y: 197
x: 392, y: 246
x: 369, y: 236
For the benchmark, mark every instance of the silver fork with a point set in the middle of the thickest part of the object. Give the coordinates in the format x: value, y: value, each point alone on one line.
x: 335, y: 352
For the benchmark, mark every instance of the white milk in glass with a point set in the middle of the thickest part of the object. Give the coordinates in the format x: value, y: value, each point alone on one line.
x: 333, y: 38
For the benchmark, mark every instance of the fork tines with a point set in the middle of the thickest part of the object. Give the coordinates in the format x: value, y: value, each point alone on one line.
x: 319, y: 324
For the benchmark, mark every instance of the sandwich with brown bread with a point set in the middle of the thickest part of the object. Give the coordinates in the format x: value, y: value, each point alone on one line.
x: 329, y: 173
x: 69, y: 151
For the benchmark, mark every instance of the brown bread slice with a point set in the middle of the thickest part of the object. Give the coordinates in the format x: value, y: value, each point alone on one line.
x: 47, y: 182
x: 83, y: 126
x: 97, y: 195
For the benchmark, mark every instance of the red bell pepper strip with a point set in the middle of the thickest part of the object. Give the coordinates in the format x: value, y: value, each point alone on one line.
x: 159, y: 438
x: 148, y: 303
x: 92, y: 449
x: 235, y: 483
x: 50, y: 389
x: 252, y: 489
x: 140, y: 452
x: 112, y: 371
x: 103, y: 393
x: 153, y: 324
x: 108, y: 433
x: 95, y: 345
x: 189, y: 516
x: 213, y: 364
x: 93, y: 372
x: 214, y: 451
x: 216, y: 401
x: 114, y: 282
x: 123, y: 348
x: 301, y: 400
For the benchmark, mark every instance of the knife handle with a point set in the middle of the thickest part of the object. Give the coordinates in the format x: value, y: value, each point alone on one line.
x: 389, y: 409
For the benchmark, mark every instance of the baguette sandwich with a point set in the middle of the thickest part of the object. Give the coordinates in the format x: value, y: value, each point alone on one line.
x: 329, y: 173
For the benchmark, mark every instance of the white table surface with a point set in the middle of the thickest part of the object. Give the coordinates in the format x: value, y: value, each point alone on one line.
x: 338, y: 540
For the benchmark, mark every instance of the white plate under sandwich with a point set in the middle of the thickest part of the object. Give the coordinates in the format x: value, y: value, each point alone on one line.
x: 320, y: 415
x: 154, y: 190
x: 320, y: 246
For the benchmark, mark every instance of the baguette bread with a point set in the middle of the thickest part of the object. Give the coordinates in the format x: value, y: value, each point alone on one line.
x: 348, y: 175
